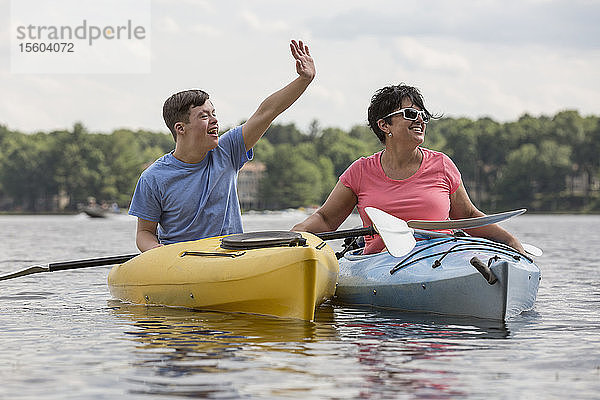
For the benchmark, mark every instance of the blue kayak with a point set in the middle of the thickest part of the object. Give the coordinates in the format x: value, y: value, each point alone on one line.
x: 463, y: 276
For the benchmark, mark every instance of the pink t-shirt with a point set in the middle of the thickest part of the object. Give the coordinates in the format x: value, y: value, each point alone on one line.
x: 424, y: 195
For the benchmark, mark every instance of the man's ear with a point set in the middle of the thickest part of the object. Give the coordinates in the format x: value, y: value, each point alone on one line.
x: 179, y: 128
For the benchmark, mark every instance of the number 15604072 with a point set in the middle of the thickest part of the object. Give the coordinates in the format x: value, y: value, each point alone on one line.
x: 58, y: 47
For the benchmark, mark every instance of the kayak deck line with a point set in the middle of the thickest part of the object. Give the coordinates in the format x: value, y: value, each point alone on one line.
x: 456, y: 248
x: 437, y: 263
x: 502, y: 248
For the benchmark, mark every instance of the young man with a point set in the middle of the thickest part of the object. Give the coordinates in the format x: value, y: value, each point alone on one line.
x: 191, y: 192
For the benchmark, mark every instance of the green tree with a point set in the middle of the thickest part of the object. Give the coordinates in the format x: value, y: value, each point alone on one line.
x: 328, y: 179
x: 25, y: 171
x: 341, y: 148
x: 365, y: 135
x: 279, y: 134
x: 533, y: 173
x: 291, y: 180
x: 79, y: 165
x: 263, y: 150
x: 586, y: 151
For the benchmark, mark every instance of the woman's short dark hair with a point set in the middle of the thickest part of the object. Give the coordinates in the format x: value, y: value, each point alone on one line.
x: 389, y: 99
x: 177, y: 107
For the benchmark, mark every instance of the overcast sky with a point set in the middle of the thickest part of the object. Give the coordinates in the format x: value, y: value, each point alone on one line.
x: 499, y: 59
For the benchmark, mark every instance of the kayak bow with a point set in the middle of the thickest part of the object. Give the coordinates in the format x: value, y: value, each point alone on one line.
x: 283, y: 279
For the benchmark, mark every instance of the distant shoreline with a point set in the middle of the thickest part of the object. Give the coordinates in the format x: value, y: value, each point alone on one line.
x: 17, y: 213
x: 40, y: 213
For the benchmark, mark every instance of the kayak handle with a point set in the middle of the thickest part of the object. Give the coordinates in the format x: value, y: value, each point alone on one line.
x: 210, y: 254
x: 484, y: 270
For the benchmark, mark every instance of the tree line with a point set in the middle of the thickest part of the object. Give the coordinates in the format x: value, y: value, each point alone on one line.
x: 546, y: 163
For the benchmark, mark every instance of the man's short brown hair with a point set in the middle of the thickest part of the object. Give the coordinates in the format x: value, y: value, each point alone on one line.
x: 177, y: 107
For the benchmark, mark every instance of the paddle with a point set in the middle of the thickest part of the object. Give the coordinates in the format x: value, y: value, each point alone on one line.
x: 466, y: 223
x: 62, y: 266
x: 98, y: 262
x: 533, y: 250
x: 396, y: 233
x: 382, y: 219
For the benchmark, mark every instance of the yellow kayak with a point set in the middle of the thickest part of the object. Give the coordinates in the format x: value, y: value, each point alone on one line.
x: 284, y: 274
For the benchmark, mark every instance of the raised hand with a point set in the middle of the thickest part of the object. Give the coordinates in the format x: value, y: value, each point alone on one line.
x: 305, y: 67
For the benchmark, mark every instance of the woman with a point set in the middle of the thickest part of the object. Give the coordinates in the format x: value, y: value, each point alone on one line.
x: 405, y: 179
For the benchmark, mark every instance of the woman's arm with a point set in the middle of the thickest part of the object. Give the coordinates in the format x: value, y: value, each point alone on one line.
x: 332, y: 214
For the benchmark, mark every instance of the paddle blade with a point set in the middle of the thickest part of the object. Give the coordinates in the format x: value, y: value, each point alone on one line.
x: 466, y: 223
x: 533, y: 250
x: 28, y: 271
x: 396, y: 234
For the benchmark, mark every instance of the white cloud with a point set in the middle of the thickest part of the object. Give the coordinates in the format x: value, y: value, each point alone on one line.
x: 206, y: 30
x: 422, y: 56
x: 554, y: 23
x: 204, y: 6
x: 264, y: 25
x: 168, y: 24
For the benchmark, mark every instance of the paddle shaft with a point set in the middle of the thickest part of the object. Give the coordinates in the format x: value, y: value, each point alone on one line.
x: 65, y: 265
x: 92, y: 262
x: 347, y: 233
x: 98, y: 262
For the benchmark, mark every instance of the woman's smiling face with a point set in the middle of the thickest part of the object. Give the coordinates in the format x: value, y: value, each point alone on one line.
x: 402, y: 128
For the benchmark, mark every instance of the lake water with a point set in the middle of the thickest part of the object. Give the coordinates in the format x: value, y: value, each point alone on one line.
x: 63, y: 337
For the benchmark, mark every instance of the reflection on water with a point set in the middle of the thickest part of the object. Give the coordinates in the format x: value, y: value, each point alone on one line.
x: 413, y: 353
x: 210, y: 354
x: 394, y: 324
x: 179, y: 343
x: 193, y: 330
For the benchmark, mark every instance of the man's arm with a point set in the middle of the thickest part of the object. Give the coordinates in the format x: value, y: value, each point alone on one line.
x: 145, y: 235
x: 278, y: 102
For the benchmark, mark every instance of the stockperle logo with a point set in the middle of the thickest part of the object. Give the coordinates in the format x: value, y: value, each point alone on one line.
x: 80, y: 36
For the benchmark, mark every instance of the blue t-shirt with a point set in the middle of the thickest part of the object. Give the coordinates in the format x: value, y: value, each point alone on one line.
x: 194, y: 201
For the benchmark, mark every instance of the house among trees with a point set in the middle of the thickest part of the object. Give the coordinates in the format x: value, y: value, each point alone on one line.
x: 249, y: 179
